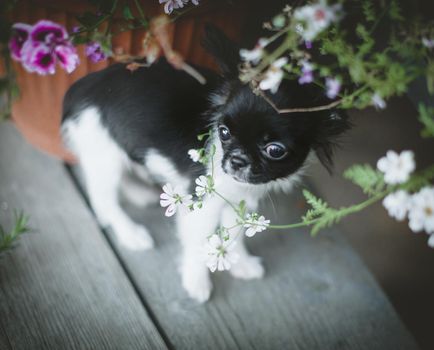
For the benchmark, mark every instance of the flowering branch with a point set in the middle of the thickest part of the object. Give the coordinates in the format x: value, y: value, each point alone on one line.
x: 370, y: 76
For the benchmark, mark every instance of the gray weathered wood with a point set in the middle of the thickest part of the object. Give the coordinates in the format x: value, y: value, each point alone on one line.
x: 62, y: 287
x: 317, y: 294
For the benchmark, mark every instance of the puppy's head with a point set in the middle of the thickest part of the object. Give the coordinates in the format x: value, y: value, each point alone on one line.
x: 258, y: 144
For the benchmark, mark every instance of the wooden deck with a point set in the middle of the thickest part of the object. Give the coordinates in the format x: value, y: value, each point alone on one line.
x: 67, y: 285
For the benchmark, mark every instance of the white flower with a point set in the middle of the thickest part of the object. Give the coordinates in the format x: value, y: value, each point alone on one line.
x: 172, y: 198
x: 256, y: 54
x: 378, y: 101
x: 255, y: 223
x: 273, y: 76
x: 219, y: 253
x: 171, y: 5
x: 316, y: 18
x: 397, y: 167
x: 204, y: 185
x: 397, y: 204
x: 429, y: 43
x: 431, y: 241
x: 421, y: 211
x: 194, y: 155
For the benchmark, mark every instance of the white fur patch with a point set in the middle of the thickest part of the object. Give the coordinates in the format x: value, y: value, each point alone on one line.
x: 103, y: 163
x: 163, y: 169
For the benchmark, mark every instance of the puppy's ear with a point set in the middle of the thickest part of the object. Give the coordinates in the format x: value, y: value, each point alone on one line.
x: 331, y: 126
x: 224, y: 51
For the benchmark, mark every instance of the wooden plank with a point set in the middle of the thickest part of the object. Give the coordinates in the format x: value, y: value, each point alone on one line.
x: 317, y: 294
x: 62, y: 287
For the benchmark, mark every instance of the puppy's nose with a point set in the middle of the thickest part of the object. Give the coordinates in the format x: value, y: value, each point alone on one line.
x: 238, y: 162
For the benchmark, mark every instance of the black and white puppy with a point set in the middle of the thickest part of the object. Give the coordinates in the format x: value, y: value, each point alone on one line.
x: 115, y: 120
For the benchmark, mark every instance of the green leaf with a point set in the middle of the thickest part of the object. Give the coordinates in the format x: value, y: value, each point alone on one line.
x: 242, y: 209
x: 126, y: 12
x: 7, y: 239
x: 367, y: 178
x: 426, y: 117
x: 395, y: 11
x: 430, y: 77
x: 368, y: 10
x: 79, y: 39
x: 317, y: 204
x: 88, y: 20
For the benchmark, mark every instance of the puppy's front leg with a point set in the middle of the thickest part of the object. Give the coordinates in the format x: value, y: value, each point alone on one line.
x: 247, y: 266
x: 194, y: 228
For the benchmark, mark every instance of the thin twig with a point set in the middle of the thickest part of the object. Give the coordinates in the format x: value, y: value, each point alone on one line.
x: 299, y: 109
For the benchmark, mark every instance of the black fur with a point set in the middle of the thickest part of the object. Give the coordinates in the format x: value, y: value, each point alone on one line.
x: 165, y: 109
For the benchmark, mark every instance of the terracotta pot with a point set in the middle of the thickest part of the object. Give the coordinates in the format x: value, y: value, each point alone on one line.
x: 37, y: 112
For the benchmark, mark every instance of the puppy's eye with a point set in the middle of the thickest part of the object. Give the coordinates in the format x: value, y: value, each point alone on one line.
x: 275, y: 151
x: 224, y: 133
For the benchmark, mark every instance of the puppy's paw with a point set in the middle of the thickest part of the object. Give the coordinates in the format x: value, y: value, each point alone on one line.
x: 197, y: 285
x: 136, y: 238
x: 249, y: 267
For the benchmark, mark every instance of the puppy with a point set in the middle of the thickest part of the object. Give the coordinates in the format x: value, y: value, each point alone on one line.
x: 116, y: 120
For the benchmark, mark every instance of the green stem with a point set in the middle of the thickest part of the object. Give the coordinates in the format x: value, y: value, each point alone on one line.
x: 419, y: 180
x: 267, y: 61
x: 139, y: 8
x: 110, y: 17
x: 228, y: 202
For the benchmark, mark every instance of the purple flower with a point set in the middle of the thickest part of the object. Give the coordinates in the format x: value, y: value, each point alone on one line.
x: 333, y: 86
x: 20, y: 33
x: 171, y: 5
x: 46, y: 44
x: 95, y: 52
x: 307, y: 73
x: 75, y: 29
x: 308, y: 44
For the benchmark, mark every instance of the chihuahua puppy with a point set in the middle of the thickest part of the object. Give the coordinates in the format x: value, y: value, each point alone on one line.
x: 116, y: 120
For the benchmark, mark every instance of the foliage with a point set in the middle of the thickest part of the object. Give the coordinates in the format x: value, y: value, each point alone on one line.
x: 426, y: 117
x: 371, y: 181
x: 8, y: 238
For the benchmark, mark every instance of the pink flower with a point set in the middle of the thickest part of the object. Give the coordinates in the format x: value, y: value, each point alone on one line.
x: 48, y: 32
x: 46, y: 44
x: 67, y: 57
x: 316, y: 18
x: 38, y: 57
x: 20, y: 33
x: 95, y: 52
